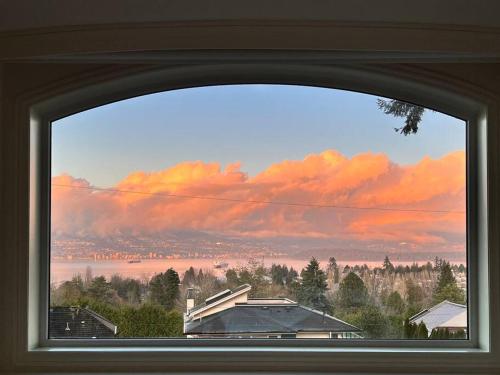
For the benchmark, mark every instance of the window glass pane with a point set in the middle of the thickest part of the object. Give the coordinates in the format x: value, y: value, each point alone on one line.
x: 258, y: 211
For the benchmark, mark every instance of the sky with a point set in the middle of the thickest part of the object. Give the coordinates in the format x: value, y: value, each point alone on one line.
x: 255, y: 125
x: 260, y: 161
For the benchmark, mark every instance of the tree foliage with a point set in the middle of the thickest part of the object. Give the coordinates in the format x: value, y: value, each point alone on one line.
x: 312, y: 289
x: 334, y: 269
x: 415, y: 331
x: 395, y: 304
x: 446, y: 334
x: 410, y: 112
x: 414, y: 294
x: 447, y: 288
x: 387, y: 266
x: 164, y: 288
x: 352, y: 292
x: 370, y: 319
x: 145, y: 321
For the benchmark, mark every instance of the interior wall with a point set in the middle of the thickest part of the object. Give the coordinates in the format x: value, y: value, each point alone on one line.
x: 49, y: 47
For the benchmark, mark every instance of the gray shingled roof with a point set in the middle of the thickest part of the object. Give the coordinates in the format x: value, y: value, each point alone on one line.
x: 73, y: 322
x: 438, y: 314
x: 286, y: 318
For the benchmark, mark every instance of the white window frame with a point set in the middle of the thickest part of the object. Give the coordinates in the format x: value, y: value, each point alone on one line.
x: 37, y: 112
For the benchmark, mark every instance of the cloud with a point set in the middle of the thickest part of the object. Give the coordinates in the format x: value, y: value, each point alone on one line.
x: 148, y: 203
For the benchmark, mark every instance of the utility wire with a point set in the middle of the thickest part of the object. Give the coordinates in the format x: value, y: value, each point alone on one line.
x: 293, y: 204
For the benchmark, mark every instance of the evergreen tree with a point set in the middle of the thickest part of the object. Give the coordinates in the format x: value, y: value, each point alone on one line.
x: 411, y: 112
x: 279, y: 274
x: 189, y: 278
x: 409, y: 329
x: 387, y: 266
x: 291, y: 277
x: 422, y: 331
x: 447, y: 288
x: 232, y: 278
x: 415, y: 331
x: 313, y: 287
x: 446, y: 276
x: 450, y: 292
x: 371, y: 320
x: 352, y: 292
x: 440, y: 334
x: 164, y: 288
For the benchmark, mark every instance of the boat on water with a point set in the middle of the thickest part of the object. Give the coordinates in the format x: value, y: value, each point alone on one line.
x: 220, y: 264
x: 134, y: 261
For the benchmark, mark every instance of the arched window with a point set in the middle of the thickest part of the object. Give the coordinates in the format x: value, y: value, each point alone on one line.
x: 275, y: 206
x: 259, y: 211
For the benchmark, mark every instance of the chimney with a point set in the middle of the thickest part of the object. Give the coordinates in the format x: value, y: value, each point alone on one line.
x: 189, y: 300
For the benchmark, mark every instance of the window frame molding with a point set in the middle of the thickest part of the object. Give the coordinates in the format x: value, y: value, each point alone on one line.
x: 37, y: 110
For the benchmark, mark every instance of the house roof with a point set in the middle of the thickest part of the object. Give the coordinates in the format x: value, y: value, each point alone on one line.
x: 226, y: 294
x: 458, y: 321
x: 439, y: 314
x: 272, y: 318
x: 75, y: 322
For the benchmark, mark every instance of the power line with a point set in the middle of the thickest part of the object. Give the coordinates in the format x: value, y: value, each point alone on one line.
x: 293, y: 204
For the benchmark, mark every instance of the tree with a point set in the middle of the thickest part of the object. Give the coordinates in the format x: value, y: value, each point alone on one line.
x: 145, y: 321
x: 99, y: 289
x: 128, y: 289
x: 422, y: 331
x: 388, y: 267
x: 450, y: 292
x: 334, y: 268
x: 446, y: 276
x: 69, y: 293
x: 232, y: 278
x: 371, y: 320
x: 447, y: 288
x: 313, y: 286
x: 189, y: 278
x: 414, y: 294
x: 443, y: 334
x: 395, y: 304
x: 352, y: 292
x: 411, y: 112
x: 164, y: 288
x: 88, y: 276
x: 291, y: 278
x: 279, y: 274
x: 415, y: 331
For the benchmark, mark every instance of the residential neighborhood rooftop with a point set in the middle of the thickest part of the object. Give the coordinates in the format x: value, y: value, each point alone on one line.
x: 75, y: 322
x: 271, y: 318
x: 219, y: 296
x: 442, y: 315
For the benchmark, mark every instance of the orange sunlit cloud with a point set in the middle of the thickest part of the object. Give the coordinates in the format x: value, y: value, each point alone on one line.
x: 146, y: 203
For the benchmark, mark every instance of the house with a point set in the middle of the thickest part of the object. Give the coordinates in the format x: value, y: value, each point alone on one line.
x: 447, y: 315
x: 82, y: 323
x: 231, y: 313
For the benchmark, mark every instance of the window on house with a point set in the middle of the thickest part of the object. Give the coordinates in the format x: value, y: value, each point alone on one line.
x: 258, y: 211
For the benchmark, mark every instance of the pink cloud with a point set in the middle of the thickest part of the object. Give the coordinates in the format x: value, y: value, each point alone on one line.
x: 165, y: 200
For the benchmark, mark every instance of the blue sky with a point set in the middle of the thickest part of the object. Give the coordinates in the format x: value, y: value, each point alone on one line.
x: 256, y: 125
